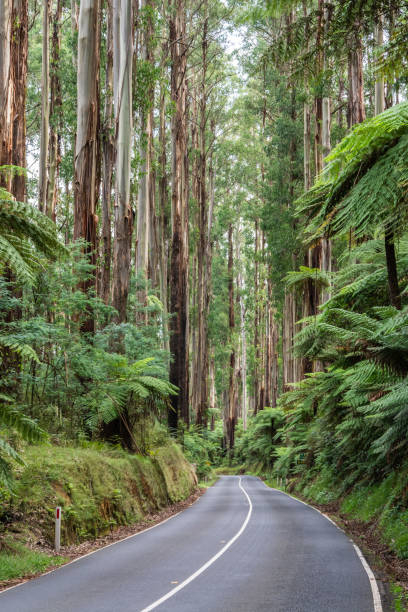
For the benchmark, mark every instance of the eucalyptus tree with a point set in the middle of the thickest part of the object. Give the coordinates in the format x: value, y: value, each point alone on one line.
x: 122, y: 82
x: 45, y: 108
x: 19, y: 55
x: 178, y: 279
x: 209, y: 98
x: 146, y: 246
x: 13, y: 61
x: 6, y: 85
x: 108, y: 159
x: 54, y: 147
x: 87, y: 167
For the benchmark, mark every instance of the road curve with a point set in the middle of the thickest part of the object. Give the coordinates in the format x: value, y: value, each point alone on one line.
x: 240, y: 548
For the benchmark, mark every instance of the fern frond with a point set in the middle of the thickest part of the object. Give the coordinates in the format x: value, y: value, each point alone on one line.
x: 26, y: 427
x: 26, y: 235
x: 297, y: 278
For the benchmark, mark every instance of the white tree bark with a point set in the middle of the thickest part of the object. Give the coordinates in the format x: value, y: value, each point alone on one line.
x: 143, y: 201
x: 124, y: 101
x: 5, y: 85
x: 122, y: 72
x: 244, y: 406
x: 5, y: 33
x: 86, y: 185
x: 379, y: 83
x: 116, y: 51
x: 88, y: 36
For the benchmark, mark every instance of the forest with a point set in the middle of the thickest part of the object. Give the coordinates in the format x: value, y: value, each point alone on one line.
x: 203, y: 239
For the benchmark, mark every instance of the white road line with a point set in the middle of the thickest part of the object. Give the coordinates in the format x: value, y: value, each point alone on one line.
x: 213, y: 559
x: 373, y: 582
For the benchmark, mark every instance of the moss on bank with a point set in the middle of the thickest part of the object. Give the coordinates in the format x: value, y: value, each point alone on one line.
x: 98, y: 489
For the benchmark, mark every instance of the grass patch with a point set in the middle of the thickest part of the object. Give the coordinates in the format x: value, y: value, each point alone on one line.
x: 16, y: 560
x: 400, y: 598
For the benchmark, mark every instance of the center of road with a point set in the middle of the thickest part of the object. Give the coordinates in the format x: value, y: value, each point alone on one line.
x: 206, y: 565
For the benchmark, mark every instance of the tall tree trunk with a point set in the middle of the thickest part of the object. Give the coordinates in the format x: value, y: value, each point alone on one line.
x: 275, y: 366
x: 153, y: 228
x: 244, y: 402
x: 326, y: 246
x: 318, y: 256
x: 307, y: 183
x: 13, y: 67
x: 154, y: 231
x: 194, y: 387
x: 87, y: 149
x: 13, y: 71
x: 356, y: 108
x: 292, y: 367
x: 379, y: 83
x: 204, y: 231
x: 340, y: 99
x: 262, y: 319
x: 270, y: 357
x: 290, y: 370
x: 391, y: 260
x: 232, y: 416
x: 6, y: 90
x: 45, y: 107
x: 19, y: 53
x: 195, y: 378
x: 163, y: 219
x: 54, y: 153
x: 318, y: 140
x: 74, y: 30
x: 208, y: 259
x: 307, y: 170
x: 122, y: 65
x: 326, y: 114
x: 143, y: 203
x: 108, y: 153
x: 122, y: 62
x: 213, y: 393
x: 179, y: 210
x: 257, y: 320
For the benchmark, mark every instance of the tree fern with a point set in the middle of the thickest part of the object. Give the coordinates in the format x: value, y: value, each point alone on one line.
x: 128, y: 387
x: 26, y: 236
x: 297, y: 278
x: 14, y: 419
x: 361, y: 184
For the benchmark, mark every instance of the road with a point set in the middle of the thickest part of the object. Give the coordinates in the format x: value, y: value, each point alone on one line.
x: 242, y: 547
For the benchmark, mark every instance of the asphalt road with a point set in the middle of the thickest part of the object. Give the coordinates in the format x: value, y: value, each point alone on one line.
x: 240, y: 548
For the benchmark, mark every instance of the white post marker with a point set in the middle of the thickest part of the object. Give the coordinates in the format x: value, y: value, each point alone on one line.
x: 57, y: 529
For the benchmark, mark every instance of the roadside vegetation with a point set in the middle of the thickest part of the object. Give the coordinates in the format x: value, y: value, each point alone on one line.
x: 16, y: 560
